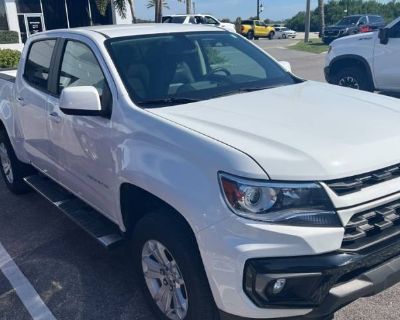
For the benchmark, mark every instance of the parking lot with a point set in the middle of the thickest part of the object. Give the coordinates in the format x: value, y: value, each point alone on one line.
x: 77, y: 279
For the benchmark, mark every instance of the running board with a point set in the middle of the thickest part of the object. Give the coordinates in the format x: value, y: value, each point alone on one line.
x: 94, y: 223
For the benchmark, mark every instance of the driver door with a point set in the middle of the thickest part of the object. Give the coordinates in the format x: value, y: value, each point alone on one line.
x: 83, y: 144
x: 386, y: 62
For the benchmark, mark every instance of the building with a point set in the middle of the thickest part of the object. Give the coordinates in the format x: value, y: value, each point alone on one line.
x: 31, y: 16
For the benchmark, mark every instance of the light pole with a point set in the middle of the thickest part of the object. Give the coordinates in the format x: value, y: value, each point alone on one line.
x: 260, y: 8
x: 308, y: 19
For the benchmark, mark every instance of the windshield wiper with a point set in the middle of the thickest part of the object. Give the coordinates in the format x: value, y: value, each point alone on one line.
x: 166, y: 102
x: 244, y: 90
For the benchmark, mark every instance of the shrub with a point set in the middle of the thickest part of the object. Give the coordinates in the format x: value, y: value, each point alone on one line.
x: 9, y: 58
x: 9, y: 37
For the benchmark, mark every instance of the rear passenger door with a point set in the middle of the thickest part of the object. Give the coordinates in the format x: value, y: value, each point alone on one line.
x: 83, y: 144
x: 32, y: 94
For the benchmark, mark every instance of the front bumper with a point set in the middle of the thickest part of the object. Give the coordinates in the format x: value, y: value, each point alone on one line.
x: 324, y: 283
x: 234, y: 245
x: 344, y: 277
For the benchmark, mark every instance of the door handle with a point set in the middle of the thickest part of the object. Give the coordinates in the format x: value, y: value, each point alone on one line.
x: 55, y: 117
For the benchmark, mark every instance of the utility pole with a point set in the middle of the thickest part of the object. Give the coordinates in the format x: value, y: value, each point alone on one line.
x: 194, y: 7
x: 308, y: 20
x: 258, y: 9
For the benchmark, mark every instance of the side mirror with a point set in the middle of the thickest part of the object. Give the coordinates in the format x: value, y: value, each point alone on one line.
x: 80, y: 101
x: 384, y: 35
x: 286, y: 65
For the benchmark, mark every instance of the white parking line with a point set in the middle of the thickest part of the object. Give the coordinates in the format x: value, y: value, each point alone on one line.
x: 24, y: 289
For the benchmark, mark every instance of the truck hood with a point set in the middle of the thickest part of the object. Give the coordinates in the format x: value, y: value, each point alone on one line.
x: 307, y: 131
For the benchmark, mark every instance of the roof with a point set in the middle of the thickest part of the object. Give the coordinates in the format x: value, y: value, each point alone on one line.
x: 115, y: 31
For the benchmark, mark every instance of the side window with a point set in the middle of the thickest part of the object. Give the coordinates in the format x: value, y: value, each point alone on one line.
x: 37, y: 67
x: 80, y: 68
x: 395, y: 32
x: 210, y: 20
x: 257, y: 23
x: 363, y: 21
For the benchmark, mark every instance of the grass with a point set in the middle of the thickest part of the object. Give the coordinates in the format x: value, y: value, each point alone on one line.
x: 314, y: 46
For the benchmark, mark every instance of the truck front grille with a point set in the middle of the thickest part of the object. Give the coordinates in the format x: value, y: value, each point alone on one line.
x: 356, y: 183
x: 372, y: 227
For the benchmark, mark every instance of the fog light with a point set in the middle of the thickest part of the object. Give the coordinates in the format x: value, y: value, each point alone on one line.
x: 278, y: 286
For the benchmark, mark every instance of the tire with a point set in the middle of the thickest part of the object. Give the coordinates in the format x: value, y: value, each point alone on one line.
x: 12, y: 170
x: 162, y: 232
x: 284, y: 36
x: 250, y: 35
x: 256, y: 38
x: 353, y: 77
x: 271, y: 35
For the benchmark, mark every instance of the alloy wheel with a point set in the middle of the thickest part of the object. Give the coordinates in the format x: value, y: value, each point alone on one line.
x: 350, y: 82
x: 164, y: 280
x: 6, y: 163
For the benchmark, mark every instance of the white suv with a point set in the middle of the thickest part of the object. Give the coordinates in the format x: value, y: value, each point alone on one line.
x: 198, y: 19
x: 366, y: 61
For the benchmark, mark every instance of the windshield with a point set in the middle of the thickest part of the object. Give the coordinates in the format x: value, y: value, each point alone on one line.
x: 166, y: 69
x: 348, y: 21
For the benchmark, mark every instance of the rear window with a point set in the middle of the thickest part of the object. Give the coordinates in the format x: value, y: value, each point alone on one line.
x: 248, y: 22
x: 37, y: 67
x: 174, y: 20
x: 376, y: 19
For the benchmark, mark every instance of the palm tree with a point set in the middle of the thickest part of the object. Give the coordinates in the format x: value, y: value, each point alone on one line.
x: 158, y: 5
x: 321, y: 9
x: 120, y: 6
x: 188, y: 5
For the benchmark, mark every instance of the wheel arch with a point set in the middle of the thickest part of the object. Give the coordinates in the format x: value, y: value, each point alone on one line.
x: 136, y: 203
x: 351, y: 60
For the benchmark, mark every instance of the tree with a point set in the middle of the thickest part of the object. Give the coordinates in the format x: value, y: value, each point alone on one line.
x: 158, y: 5
x: 321, y: 8
x: 188, y: 5
x: 120, y: 6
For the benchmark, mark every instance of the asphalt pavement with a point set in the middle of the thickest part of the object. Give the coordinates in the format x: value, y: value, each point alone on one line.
x: 75, y: 278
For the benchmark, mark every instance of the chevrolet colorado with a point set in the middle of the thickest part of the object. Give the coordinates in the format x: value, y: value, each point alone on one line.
x: 241, y: 191
x: 255, y: 29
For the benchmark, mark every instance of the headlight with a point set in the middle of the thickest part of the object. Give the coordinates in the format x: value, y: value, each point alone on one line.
x: 279, y: 202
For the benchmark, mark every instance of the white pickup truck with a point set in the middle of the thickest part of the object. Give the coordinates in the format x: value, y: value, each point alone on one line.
x: 242, y: 191
x: 367, y: 61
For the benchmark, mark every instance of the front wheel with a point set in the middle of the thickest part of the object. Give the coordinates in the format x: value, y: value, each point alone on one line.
x: 284, y: 36
x: 250, y: 35
x: 12, y: 170
x: 353, y: 77
x: 271, y: 35
x: 170, y: 269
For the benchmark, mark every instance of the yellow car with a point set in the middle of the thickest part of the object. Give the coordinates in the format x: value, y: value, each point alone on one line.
x: 255, y: 29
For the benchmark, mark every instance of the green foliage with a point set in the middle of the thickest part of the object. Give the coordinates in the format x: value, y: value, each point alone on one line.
x: 152, y: 4
x: 9, y: 58
x: 336, y: 10
x: 314, y: 46
x: 9, y: 37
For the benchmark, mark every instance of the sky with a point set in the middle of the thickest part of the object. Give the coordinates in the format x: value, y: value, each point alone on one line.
x: 274, y: 9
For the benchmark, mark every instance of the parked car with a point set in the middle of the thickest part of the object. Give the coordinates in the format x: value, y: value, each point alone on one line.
x: 352, y: 25
x: 367, y: 61
x: 284, y: 33
x: 241, y: 191
x: 198, y: 19
x: 255, y: 29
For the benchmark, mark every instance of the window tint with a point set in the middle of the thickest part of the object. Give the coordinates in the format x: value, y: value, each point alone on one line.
x: 247, y: 22
x: 80, y: 68
x: 376, y: 19
x: 210, y: 20
x: 3, y: 16
x: 175, y: 20
x: 37, y: 66
x: 363, y: 21
x: 395, y: 33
